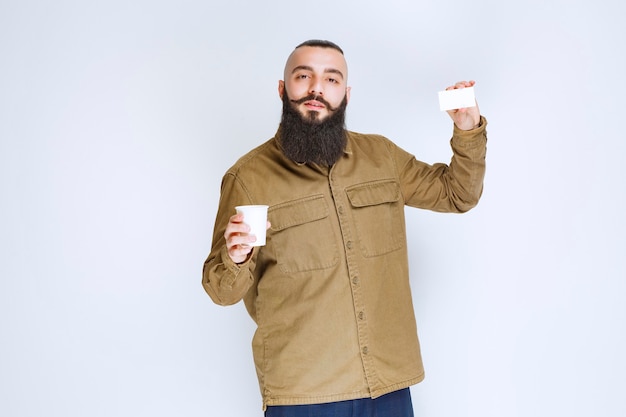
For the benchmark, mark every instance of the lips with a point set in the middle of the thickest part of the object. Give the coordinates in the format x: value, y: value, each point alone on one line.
x: 314, y: 104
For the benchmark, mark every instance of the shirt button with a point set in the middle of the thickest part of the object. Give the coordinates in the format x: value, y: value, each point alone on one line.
x: 349, y: 244
x: 340, y: 209
x: 361, y: 315
x: 355, y: 280
x: 365, y: 350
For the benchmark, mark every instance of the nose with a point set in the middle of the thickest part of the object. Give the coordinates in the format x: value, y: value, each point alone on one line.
x: 316, y: 88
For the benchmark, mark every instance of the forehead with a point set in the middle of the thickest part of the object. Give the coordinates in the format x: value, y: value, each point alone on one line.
x: 318, y: 58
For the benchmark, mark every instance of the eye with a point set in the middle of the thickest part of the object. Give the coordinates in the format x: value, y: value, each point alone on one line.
x: 332, y: 81
x: 302, y: 76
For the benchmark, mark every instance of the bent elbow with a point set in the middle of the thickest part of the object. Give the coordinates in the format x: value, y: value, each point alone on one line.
x: 468, y: 201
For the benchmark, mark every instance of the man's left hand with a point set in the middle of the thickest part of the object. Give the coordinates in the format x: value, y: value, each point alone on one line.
x: 466, y: 118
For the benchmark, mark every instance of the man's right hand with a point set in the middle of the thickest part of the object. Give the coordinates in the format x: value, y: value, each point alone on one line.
x: 238, y: 239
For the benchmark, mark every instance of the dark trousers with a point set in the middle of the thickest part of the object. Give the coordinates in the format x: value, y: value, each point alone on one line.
x: 394, y: 404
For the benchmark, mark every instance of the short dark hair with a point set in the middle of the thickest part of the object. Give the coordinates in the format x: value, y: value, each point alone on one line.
x: 321, y: 44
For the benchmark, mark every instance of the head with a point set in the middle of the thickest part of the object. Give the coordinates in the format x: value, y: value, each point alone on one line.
x: 315, y: 95
x: 315, y: 79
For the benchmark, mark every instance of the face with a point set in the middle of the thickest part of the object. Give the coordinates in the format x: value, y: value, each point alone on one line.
x: 315, y: 81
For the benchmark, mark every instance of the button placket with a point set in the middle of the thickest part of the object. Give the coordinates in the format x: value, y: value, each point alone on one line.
x: 356, y: 288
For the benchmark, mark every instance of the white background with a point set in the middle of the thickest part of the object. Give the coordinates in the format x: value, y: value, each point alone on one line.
x: 118, y: 119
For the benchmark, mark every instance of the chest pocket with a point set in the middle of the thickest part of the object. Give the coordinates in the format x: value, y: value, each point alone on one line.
x: 302, y: 235
x: 378, y: 213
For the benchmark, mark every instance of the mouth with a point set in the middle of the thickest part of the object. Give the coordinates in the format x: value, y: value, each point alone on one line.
x: 314, y: 105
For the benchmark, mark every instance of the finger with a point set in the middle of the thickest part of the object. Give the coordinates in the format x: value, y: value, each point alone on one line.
x: 461, y: 84
x: 235, y: 229
x: 239, y: 240
x: 237, y: 234
x: 456, y: 86
x: 243, y: 243
x: 236, y: 218
x: 239, y: 253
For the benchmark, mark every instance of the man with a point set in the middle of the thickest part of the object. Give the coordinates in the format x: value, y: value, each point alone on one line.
x: 329, y: 292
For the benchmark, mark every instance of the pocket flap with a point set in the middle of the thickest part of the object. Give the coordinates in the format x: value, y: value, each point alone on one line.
x: 374, y: 193
x: 293, y: 213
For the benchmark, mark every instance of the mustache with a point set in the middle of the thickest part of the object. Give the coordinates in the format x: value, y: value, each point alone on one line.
x: 316, y: 98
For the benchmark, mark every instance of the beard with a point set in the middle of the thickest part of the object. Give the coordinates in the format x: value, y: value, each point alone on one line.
x: 307, y: 139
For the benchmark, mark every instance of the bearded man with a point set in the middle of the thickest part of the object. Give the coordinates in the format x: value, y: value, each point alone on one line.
x: 330, y: 292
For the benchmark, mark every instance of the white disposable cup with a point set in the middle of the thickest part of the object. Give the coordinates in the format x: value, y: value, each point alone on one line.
x: 255, y: 216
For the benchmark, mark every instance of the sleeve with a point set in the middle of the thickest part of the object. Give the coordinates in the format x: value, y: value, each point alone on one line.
x: 453, y: 188
x: 225, y: 281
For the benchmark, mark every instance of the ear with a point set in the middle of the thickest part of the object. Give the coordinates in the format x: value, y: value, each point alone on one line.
x: 348, y: 93
x: 281, y: 88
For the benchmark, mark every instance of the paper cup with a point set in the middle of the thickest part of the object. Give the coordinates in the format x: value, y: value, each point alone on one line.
x: 255, y: 217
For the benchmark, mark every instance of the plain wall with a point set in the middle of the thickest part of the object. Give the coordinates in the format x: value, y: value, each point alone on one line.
x: 118, y: 119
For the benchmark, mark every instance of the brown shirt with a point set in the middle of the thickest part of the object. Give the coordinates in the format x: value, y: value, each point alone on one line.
x: 330, y: 291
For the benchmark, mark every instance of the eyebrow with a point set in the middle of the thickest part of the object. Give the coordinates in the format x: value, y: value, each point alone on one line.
x: 309, y: 68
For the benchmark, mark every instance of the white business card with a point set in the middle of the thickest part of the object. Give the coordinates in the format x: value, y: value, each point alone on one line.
x: 457, y: 99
